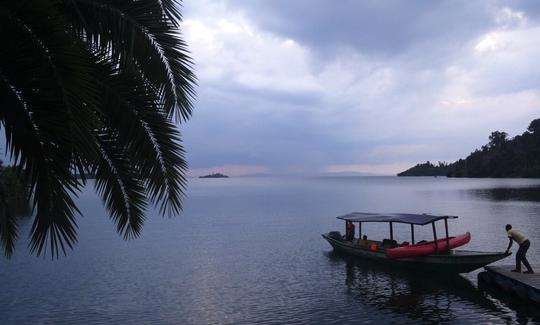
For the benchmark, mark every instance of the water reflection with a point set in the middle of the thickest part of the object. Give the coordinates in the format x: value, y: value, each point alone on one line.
x: 248, y: 250
x: 526, y: 311
x: 508, y: 194
x: 420, y: 297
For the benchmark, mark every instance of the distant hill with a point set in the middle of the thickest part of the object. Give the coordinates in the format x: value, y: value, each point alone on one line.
x: 216, y: 175
x: 501, y: 157
x: 427, y: 169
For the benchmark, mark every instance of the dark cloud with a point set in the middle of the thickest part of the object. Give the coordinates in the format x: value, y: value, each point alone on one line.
x: 365, y: 83
x: 237, y: 125
x: 374, y: 27
x: 531, y: 7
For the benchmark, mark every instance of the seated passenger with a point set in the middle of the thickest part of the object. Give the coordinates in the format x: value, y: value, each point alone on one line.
x: 363, y: 241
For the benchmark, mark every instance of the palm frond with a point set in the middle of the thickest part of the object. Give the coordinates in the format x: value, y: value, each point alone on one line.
x: 8, y: 224
x: 41, y: 131
x: 92, y: 86
x: 149, y: 137
x: 154, y: 48
x: 118, y: 183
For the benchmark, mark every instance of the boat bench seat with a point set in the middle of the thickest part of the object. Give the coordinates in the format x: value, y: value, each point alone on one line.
x: 367, y: 243
x: 389, y: 243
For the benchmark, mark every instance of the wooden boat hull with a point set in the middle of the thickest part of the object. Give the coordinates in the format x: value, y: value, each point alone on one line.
x: 454, y: 261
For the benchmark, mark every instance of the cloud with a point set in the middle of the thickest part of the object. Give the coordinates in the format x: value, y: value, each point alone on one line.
x: 374, y: 28
x: 369, y: 169
x: 299, y: 87
x: 373, y: 86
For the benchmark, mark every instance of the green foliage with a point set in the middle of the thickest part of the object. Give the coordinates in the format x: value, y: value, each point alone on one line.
x: 427, y: 169
x: 93, y: 87
x: 497, y: 139
x: 501, y: 157
x: 534, y: 127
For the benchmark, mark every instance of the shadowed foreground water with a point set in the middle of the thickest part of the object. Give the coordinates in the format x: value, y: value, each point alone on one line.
x: 249, y: 250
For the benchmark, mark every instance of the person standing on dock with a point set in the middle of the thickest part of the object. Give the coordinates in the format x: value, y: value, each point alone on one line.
x: 524, y: 245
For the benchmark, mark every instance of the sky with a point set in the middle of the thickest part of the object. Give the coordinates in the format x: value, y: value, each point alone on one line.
x: 370, y: 87
x: 373, y: 87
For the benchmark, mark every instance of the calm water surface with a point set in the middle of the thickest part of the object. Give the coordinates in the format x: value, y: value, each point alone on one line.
x: 249, y: 250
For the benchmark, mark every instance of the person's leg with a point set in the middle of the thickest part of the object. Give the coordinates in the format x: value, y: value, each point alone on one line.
x: 519, y: 258
x: 526, y: 246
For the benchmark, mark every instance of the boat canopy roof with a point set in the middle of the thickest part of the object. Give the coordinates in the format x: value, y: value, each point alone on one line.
x: 409, y: 218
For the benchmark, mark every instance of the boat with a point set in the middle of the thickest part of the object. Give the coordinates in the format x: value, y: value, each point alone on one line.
x: 430, y: 247
x: 437, y: 255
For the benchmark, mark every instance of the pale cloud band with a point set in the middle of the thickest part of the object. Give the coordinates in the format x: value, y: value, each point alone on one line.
x: 368, y: 169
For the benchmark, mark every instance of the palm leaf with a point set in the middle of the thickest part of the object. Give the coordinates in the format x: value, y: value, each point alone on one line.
x: 120, y: 187
x: 92, y: 87
x: 142, y: 130
x: 154, y: 47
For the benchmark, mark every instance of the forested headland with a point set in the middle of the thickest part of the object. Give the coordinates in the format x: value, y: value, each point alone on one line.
x: 427, y: 169
x: 501, y: 157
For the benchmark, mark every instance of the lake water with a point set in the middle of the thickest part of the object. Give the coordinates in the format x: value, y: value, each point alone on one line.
x: 249, y: 250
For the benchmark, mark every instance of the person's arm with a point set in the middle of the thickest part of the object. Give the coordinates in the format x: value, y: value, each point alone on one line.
x: 509, y: 244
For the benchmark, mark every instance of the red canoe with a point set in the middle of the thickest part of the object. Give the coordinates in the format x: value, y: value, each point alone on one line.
x: 427, y: 248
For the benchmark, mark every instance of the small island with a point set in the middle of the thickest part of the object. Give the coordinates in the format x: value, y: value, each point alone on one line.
x: 215, y: 175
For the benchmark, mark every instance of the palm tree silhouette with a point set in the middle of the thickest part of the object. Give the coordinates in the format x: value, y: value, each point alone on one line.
x: 93, y: 88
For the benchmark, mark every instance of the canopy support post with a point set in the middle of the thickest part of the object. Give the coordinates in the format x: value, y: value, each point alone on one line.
x: 391, y: 231
x: 412, y: 233
x: 435, y: 237
x: 359, y: 230
x: 446, y: 229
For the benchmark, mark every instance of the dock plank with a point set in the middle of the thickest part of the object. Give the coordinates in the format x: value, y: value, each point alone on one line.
x: 531, y: 280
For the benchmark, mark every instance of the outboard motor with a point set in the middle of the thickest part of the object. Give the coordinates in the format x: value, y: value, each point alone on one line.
x: 335, y: 235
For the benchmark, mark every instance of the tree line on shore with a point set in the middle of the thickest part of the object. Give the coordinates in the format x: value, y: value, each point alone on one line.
x: 501, y: 157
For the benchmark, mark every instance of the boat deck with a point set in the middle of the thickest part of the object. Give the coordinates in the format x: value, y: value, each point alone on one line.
x: 525, y: 286
x: 531, y: 280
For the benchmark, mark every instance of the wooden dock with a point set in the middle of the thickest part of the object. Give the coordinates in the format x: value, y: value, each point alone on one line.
x: 525, y: 286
